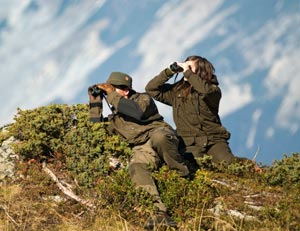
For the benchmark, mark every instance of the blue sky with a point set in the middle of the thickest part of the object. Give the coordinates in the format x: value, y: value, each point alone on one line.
x: 50, y: 51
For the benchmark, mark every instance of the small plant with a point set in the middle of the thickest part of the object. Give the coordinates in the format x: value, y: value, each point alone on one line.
x: 117, y: 192
x: 184, y: 197
x: 284, y: 172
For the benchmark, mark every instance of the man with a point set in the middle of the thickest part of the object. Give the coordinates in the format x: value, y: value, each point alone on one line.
x: 153, y: 141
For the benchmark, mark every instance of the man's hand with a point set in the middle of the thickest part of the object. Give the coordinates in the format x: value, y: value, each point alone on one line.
x: 108, y: 88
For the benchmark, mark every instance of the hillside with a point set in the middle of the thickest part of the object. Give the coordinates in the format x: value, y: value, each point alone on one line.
x: 60, y: 172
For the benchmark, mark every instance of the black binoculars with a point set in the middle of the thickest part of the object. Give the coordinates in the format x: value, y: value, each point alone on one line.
x: 175, y: 68
x: 95, y: 91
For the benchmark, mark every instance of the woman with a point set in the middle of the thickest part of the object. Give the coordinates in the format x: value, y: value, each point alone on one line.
x: 195, y: 100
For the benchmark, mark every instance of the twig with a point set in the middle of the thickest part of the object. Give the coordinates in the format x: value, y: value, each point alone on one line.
x: 7, y: 214
x: 223, y: 183
x: 256, y: 153
x: 65, y: 190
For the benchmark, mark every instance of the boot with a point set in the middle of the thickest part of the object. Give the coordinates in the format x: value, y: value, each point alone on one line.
x: 160, y: 219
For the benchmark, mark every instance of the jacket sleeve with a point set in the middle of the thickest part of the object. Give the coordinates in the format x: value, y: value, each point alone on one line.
x: 159, y: 89
x: 140, y: 110
x: 125, y: 106
x: 208, y: 91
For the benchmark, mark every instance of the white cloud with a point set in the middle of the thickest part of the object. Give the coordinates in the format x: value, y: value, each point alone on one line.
x: 270, y: 133
x: 51, y: 57
x: 274, y: 48
x: 263, y: 47
x: 284, y: 78
x: 235, y: 96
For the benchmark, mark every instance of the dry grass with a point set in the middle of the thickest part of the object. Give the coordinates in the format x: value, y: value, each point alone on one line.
x: 35, y: 203
x: 23, y: 209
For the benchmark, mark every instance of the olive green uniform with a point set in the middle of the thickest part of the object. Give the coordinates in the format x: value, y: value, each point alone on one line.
x: 154, y: 142
x: 196, y: 117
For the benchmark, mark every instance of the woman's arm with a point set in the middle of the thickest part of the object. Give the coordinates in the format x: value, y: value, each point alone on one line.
x: 159, y: 89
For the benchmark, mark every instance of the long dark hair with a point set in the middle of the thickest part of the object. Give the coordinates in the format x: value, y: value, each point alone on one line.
x: 204, y: 69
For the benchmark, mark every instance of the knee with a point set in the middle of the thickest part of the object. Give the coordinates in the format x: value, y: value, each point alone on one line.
x: 224, y: 158
x: 163, y: 136
x: 134, y: 168
x: 158, y: 137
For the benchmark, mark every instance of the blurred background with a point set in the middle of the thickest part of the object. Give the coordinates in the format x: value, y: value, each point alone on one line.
x: 51, y: 51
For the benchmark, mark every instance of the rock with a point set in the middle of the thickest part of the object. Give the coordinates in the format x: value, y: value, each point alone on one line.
x: 115, y: 163
x: 7, y: 159
x: 241, y: 216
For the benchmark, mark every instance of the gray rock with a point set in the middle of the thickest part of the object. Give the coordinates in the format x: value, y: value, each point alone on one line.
x: 7, y: 159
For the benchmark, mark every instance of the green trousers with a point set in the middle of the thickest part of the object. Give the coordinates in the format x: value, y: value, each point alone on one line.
x: 162, y: 147
x: 219, y: 151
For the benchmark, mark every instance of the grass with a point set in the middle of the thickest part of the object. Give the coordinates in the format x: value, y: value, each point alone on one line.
x: 217, y: 199
x: 34, y: 203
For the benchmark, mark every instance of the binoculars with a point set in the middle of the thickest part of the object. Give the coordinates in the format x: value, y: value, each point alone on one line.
x: 95, y: 91
x: 175, y: 68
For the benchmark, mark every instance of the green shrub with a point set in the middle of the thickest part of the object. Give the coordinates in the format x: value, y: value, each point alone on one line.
x: 117, y: 192
x: 185, y: 198
x: 65, y: 133
x: 88, y: 149
x: 284, y: 172
x: 41, y: 131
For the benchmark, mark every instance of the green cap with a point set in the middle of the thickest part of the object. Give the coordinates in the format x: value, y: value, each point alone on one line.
x: 120, y: 79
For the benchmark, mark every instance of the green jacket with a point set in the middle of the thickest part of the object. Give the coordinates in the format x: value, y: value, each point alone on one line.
x: 196, y: 118
x: 134, y: 118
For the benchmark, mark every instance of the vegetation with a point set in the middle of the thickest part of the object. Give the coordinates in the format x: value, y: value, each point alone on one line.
x: 79, y: 153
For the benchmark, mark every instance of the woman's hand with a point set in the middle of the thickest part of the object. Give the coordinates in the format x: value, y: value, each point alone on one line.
x: 183, y: 65
x: 188, y: 65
